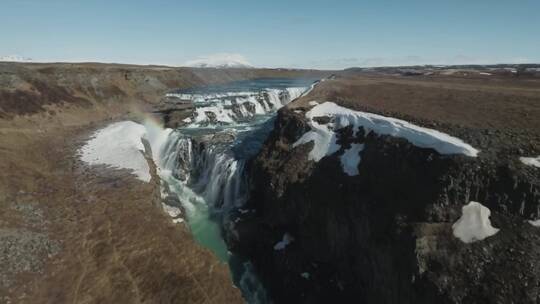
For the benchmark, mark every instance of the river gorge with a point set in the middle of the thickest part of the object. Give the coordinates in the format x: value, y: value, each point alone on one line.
x: 270, y: 186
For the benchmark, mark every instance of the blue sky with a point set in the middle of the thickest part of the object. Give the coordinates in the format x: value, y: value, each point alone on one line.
x: 309, y: 34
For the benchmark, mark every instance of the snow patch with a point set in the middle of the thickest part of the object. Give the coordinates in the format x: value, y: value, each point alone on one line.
x: 474, y: 224
x: 171, y: 210
x: 221, y: 60
x: 119, y: 145
x: 324, y: 136
x: 313, y: 103
x: 531, y: 161
x: 535, y: 223
x: 324, y: 140
x: 351, y: 158
x: 286, y: 240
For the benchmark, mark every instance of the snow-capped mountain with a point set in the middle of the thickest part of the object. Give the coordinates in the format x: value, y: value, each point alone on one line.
x: 15, y: 58
x: 219, y: 61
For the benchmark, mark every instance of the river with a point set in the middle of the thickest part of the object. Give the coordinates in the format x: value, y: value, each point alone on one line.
x: 202, y: 163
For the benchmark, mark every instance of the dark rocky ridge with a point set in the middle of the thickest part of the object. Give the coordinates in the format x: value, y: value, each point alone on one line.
x: 385, y: 235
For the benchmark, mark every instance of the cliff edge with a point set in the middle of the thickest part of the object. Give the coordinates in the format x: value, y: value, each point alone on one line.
x: 384, y: 188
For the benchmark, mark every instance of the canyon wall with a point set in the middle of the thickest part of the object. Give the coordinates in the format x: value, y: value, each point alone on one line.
x: 317, y: 234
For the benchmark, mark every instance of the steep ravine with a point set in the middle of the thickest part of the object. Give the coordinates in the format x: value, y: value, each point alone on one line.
x: 385, y: 235
x: 202, y: 162
x: 116, y: 245
x: 313, y: 233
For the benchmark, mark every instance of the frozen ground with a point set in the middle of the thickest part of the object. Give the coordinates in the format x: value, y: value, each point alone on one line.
x: 119, y: 145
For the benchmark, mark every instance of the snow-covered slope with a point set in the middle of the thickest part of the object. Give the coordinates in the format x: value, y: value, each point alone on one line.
x: 119, y: 145
x: 325, y: 138
x: 219, y: 61
x: 15, y: 58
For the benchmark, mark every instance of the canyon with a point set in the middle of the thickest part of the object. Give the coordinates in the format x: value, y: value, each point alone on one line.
x: 386, y: 233
x: 365, y: 185
x: 77, y: 233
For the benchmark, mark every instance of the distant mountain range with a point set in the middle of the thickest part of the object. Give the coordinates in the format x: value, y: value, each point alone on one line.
x: 15, y: 58
x: 226, y: 65
x: 220, y: 61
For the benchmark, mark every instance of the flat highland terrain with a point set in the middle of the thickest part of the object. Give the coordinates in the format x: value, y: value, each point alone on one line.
x: 498, y: 113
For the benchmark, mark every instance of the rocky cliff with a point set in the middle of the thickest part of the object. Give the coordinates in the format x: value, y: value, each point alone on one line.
x: 384, y: 235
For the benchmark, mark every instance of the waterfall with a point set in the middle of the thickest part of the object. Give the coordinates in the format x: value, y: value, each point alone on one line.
x: 206, y: 168
x: 202, y: 164
x: 231, y: 108
x: 210, y: 181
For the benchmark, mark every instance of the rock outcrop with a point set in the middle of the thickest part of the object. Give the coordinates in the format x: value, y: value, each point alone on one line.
x: 385, y: 235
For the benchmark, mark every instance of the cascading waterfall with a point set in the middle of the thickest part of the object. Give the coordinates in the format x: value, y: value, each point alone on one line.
x: 237, y: 107
x: 202, y: 164
x: 206, y: 168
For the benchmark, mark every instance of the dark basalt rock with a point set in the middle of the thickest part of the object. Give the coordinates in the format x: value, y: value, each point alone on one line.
x: 173, y: 114
x: 385, y: 235
x: 239, y: 115
x: 212, y: 118
x: 236, y: 109
x: 250, y: 107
